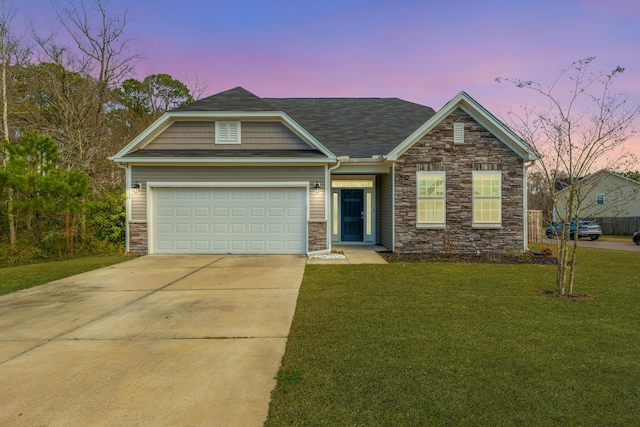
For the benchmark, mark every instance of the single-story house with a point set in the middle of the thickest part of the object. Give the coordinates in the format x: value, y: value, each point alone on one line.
x: 236, y: 173
x: 611, y: 199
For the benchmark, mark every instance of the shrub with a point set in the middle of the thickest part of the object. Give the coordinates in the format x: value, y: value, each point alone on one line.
x: 108, y: 218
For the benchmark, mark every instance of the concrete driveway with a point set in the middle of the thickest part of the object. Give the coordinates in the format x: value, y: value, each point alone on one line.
x: 160, y: 340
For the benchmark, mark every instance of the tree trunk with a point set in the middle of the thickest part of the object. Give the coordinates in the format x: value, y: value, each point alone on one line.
x: 37, y: 228
x: 5, y: 118
x: 572, y: 270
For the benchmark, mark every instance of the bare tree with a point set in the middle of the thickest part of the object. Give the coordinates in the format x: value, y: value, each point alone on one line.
x: 580, y: 128
x: 13, y: 53
x: 78, y: 81
x: 101, y: 39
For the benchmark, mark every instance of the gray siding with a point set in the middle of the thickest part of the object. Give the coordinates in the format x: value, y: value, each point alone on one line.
x: 385, y: 210
x: 143, y: 174
x: 254, y: 135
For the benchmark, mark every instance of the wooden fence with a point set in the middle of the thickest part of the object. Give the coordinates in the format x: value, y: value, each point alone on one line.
x: 534, y: 226
x: 624, y: 226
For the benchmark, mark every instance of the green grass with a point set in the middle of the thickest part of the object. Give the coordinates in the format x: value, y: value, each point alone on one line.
x: 442, y: 344
x: 26, y: 276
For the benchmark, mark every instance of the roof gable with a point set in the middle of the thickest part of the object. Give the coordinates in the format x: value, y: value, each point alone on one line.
x: 479, y: 114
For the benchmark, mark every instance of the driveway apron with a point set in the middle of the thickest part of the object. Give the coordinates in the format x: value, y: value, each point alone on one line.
x: 161, y: 340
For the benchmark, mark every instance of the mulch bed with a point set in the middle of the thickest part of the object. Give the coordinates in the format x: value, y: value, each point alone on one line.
x: 526, y: 258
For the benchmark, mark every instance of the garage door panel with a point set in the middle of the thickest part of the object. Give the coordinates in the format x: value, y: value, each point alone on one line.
x: 183, y: 228
x: 201, y: 195
x: 258, y: 246
x: 202, y: 228
x: 164, y: 228
x: 276, y: 245
x: 183, y: 245
x: 257, y: 229
x: 276, y: 228
x: 182, y: 211
x: 220, y: 229
x: 202, y: 246
x: 207, y: 220
x: 164, y: 245
x: 221, y: 212
x: 165, y: 212
x: 276, y: 212
x: 294, y: 211
x: 238, y: 195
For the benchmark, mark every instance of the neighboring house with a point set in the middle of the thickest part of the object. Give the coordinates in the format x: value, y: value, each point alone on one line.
x: 611, y: 199
x: 235, y: 173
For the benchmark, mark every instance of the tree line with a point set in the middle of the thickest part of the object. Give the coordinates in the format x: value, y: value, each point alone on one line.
x: 66, y: 108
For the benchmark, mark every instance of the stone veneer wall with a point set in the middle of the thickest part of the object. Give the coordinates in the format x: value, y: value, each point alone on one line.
x: 138, y: 237
x: 317, y: 235
x: 436, y: 151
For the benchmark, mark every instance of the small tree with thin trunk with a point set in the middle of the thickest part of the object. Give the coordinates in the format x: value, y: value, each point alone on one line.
x: 579, y: 127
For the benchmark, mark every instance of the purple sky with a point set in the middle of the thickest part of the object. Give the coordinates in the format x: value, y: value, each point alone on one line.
x: 422, y: 51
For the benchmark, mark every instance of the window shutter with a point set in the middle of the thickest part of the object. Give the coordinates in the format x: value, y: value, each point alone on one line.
x: 458, y: 133
x: 232, y: 131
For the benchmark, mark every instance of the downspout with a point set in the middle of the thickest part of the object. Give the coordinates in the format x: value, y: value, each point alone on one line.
x: 127, y: 189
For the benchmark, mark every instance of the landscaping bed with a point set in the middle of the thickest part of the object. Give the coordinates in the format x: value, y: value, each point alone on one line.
x: 491, y: 258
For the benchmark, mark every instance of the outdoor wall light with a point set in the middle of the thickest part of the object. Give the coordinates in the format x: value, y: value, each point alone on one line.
x: 136, y: 187
x: 316, y: 187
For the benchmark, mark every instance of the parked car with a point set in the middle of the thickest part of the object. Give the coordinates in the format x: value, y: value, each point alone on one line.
x: 585, y: 229
x: 636, y: 238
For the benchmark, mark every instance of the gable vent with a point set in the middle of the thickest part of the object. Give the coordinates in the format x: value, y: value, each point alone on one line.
x: 458, y: 133
x: 227, y: 132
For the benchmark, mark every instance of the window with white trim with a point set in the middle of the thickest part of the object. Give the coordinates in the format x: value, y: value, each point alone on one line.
x: 599, y: 199
x: 487, y: 198
x: 431, y: 199
x: 458, y: 133
x: 227, y: 132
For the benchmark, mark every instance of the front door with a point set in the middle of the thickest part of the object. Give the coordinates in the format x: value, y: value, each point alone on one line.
x: 352, y: 215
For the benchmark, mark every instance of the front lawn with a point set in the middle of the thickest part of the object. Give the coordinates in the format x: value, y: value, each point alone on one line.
x: 438, y: 343
x: 25, y: 276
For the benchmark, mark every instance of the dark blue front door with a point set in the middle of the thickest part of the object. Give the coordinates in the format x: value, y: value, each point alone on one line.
x: 352, y: 215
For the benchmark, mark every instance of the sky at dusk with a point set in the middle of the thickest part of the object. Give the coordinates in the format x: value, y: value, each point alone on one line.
x: 421, y: 51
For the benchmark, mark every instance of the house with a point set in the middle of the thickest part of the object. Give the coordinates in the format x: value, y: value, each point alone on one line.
x: 608, y: 198
x: 236, y: 173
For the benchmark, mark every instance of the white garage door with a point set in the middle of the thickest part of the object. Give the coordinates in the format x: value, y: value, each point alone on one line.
x: 229, y: 220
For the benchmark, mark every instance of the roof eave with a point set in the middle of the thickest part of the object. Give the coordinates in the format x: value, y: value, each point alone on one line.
x: 233, y: 160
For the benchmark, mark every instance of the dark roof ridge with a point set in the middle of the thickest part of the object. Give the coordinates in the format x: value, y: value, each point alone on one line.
x: 238, y: 98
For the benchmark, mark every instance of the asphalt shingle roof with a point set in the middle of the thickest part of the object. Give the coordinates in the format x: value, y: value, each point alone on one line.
x: 354, y: 127
x: 237, y: 99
